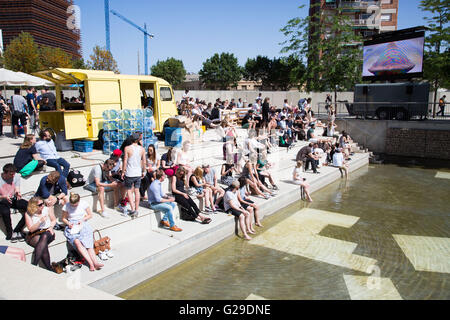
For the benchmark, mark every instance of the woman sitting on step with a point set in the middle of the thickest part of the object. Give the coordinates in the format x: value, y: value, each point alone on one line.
x: 78, y: 232
x: 40, y: 221
x: 27, y: 159
x: 184, y: 200
x: 197, y: 181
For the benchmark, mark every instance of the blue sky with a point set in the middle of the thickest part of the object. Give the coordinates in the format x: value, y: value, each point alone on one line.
x: 194, y: 30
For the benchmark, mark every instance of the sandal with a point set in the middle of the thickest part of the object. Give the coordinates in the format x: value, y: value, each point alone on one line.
x: 207, y: 221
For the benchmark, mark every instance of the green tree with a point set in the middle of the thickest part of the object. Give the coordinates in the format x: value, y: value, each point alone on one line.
x: 329, y: 47
x: 171, y: 70
x: 437, y: 51
x: 22, y: 54
x: 79, y: 63
x: 221, y: 71
x: 54, y: 58
x: 102, y: 59
x: 278, y: 73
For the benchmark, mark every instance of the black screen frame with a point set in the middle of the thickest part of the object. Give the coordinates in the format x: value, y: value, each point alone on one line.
x: 393, y: 38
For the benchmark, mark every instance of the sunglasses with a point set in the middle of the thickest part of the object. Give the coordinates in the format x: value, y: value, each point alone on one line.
x: 41, y: 204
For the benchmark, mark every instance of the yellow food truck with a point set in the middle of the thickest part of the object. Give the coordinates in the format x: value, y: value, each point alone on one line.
x: 100, y: 91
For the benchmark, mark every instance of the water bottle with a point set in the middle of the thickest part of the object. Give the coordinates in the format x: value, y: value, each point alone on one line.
x: 139, y: 126
x: 148, y: 113
x: 139, y: 114
x: 126, y: 114
x: 113, y: 114
x: 105, y: 115
x: 113, y: 136
x: 125, y: 125
x: 106, y: 136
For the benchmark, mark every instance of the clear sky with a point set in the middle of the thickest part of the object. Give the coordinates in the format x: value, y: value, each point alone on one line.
x: 194, y: 30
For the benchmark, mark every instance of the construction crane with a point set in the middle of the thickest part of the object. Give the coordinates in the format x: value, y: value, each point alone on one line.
x: 107, y: 27
x: 143, y: 30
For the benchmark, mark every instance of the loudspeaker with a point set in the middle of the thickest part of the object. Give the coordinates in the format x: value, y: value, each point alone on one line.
x: 365, y: 90
x: 409, y: 89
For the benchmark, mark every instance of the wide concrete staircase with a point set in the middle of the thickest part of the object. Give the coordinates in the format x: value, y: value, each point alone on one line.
x: 140, y: 241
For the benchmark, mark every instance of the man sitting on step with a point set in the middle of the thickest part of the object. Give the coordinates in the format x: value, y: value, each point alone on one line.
x: 161, y: 202
x: 100, y: 180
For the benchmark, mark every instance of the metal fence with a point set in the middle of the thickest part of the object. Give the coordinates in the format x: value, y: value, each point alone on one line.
x: 386, y: 110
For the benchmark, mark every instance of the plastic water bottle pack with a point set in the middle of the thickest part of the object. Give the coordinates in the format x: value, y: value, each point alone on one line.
x: 118, y: 125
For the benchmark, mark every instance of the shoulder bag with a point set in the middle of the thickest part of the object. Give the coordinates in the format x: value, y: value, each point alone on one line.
x: 102, y: 244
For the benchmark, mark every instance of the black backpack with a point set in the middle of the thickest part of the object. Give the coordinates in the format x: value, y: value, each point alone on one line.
x: 184, y: 215
x: 75, y: 178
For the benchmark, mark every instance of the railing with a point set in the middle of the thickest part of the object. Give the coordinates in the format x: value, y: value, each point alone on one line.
x: 386, y: 110
x: 358, y: 4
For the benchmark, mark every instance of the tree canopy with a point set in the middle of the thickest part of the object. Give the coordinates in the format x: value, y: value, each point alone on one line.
x: 221, y: 71
x: 329, y: 47
x: 102, y: 59
x: 171, y: 70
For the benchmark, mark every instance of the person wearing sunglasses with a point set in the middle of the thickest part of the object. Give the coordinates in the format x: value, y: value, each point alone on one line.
x: 40, y: 221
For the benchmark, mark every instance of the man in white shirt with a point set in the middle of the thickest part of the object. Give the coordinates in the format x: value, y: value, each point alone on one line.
x: 47, y: 150
x: 339, y: 162
x: 234, y: 207
x: 100, y: 180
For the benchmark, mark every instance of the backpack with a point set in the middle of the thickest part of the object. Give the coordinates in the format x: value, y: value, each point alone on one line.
x: 184, y: 215
x: 75, y: 178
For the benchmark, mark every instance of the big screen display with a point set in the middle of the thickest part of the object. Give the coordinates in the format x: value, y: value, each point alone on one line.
x: 394, y: 59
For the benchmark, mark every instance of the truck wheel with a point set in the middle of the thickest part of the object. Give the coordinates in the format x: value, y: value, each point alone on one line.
x: 383, y: 114
x: 401, y: 115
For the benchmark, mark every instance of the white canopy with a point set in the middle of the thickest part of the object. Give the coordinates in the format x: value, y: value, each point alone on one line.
x: 11, y: 78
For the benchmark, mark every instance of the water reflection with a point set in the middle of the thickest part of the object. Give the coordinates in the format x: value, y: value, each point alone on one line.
x: 387, y: 200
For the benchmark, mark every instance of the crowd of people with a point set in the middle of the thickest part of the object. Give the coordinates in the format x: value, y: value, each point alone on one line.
x: 135, y: 174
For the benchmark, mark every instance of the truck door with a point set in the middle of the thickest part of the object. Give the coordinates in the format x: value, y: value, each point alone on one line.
x: 167, y: 107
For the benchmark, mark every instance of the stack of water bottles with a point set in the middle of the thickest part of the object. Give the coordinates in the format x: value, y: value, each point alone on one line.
x: 118, y: 125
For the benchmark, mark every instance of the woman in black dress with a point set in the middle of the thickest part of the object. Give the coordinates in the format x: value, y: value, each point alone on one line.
x: 184, y: 200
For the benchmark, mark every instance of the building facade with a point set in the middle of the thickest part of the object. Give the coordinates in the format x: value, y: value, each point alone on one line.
x: 368, y: 17
x: 45, y: 20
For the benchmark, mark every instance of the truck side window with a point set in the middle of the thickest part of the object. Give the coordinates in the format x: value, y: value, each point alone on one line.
x: 166, y: 94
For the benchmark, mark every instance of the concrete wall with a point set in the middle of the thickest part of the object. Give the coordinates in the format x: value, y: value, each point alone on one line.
x: 383, y: 136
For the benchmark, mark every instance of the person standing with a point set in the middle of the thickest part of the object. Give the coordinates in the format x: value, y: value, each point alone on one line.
x: 441, y: 106
x: 265, y: 112
x: 160, y: 202
x: 32, y: 110
x: 47, y: 149
x: 133, y: 172
x: 3, y: 109
x: 19, y: 112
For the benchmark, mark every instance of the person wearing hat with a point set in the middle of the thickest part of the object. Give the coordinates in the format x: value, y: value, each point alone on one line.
x: 116, y: 172
x: 234, y: 207
x: 133, y: 171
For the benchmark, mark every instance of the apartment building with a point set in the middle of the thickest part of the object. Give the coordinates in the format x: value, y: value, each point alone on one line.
x: 368, y: 17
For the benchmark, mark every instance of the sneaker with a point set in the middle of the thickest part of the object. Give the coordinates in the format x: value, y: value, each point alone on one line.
x: 135, y: 214
x: 274, y: 187
x: 176, y: 229
x: 102, y: 255
x: 14, y: 237
x: 207, y: 209
x: 131, y: 213
x: 109, y: 253
x: 20, y: 237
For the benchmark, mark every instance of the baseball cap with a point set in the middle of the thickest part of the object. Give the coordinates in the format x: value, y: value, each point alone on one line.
x: 117, y: 152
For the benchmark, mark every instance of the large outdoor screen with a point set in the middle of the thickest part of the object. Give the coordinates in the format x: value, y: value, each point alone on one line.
x: 393, y: 59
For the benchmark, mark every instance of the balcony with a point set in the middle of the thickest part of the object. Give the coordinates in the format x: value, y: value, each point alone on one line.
x: 358, y: 5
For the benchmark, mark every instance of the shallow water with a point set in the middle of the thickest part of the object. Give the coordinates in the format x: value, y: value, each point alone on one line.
x: 384, y: 200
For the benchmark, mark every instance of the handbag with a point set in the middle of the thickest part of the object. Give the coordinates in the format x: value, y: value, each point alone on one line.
x: 102, y: 244
x: 29, y: 168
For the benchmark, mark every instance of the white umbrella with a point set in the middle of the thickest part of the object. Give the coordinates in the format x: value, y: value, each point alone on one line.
x: 11, y: 78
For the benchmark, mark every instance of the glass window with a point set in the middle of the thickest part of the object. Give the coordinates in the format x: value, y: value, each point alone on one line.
x: 386, y: 17
x: 166, y: 94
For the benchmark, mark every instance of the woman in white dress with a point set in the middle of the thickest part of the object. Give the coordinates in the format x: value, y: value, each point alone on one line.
x: 78, y: 232
x: 304, y: 186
